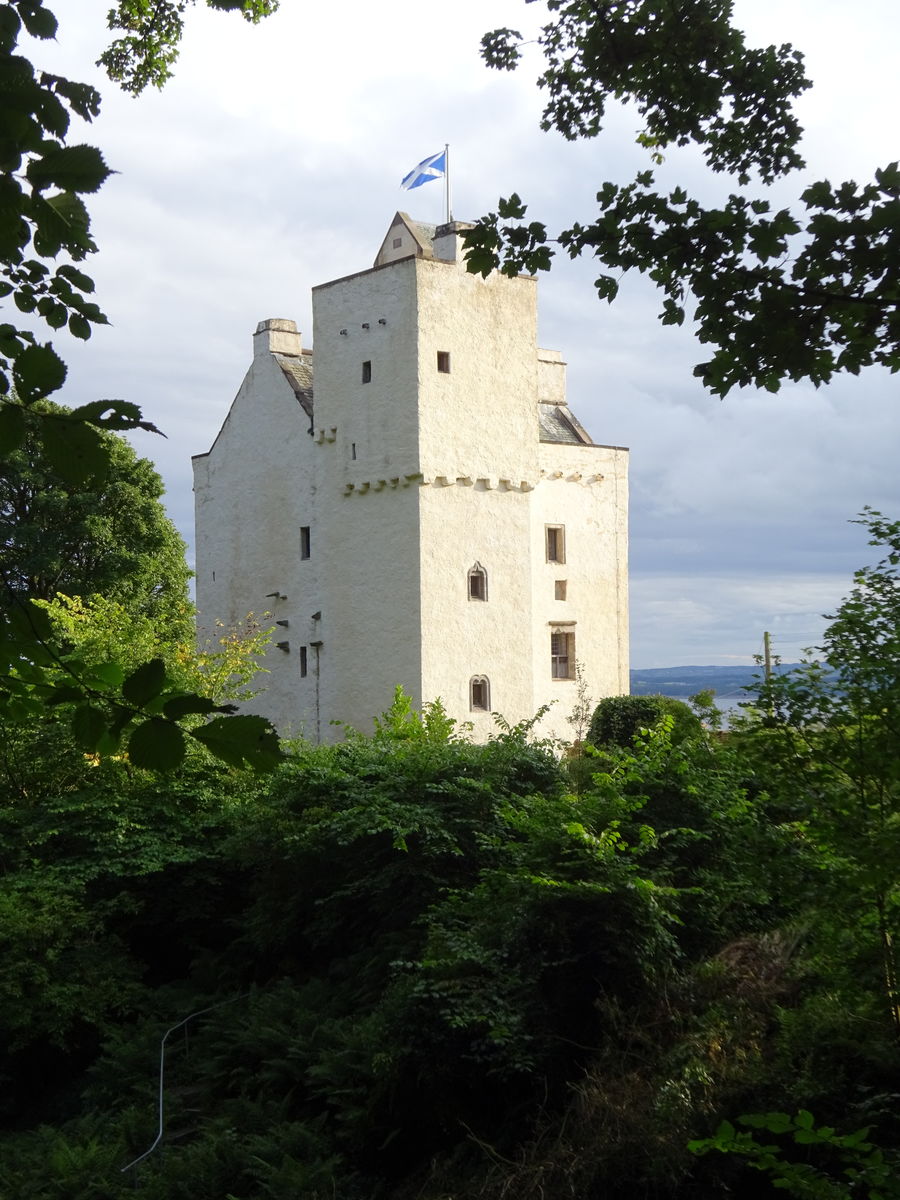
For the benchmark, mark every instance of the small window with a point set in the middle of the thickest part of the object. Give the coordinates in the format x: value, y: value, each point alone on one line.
x: 304, y: 541
x: 398, y: 242
x: 556, y: 543
x: 479, y: 693
x: 560, y: 589
x: 443, y: 361
x: 562, y: 655
x: 303, y: 662
x: 367, y: 371
x: 353, y: 451
x: 477, y: 582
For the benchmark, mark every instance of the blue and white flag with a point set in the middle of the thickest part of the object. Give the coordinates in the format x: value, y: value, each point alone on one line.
x: 429, y: 168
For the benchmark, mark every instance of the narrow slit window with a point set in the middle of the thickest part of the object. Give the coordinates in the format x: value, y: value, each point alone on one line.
x: 443, y: 361
x: 555, y: 543
x: 560, y: 588
x: 367, y: 371
x: 353, y: 451
x: 305, y: 543
x: 479, y: 693
x: 562, y: 655
x: 303, y: 662
x: 477, y: 582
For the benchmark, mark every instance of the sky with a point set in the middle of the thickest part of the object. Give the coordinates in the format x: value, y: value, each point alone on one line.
x: 271, y: 162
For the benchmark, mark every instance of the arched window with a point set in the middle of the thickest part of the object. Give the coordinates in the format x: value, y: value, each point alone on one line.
x: 477, y: 582
x: 480, y: 693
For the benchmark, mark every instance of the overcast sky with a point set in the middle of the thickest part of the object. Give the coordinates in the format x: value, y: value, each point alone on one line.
x: 271, y: 163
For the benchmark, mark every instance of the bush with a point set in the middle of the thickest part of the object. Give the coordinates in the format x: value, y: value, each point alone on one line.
x: 618, y: 719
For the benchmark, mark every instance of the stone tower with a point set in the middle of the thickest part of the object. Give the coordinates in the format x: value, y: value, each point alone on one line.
x: 433, y: 515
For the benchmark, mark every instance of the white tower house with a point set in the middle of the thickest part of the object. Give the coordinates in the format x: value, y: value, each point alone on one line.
x: 434, y: 516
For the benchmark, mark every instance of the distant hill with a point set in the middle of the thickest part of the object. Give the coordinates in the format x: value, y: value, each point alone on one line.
x: 686, y: 681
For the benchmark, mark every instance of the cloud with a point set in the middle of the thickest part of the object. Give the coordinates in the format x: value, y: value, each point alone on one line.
x: 271, y: 163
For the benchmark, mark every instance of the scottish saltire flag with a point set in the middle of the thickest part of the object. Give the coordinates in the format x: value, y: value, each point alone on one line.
x: 430, y: 168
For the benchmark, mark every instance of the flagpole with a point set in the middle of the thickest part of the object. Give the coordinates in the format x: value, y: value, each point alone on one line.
x: 449, y: 215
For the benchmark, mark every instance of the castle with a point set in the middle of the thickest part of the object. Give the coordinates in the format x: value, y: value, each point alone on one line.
x: 433, y: 515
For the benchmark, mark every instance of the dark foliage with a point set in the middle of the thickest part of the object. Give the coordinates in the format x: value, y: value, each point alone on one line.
x: 617, y: 720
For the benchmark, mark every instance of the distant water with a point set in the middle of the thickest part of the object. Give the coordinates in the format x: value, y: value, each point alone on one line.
x: 728, y: 706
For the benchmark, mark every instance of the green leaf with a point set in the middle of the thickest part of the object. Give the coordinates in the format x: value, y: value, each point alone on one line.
x: 72, y: 168
x: 83, y: 282
x: 111, y: 414
x: 88, y: 726
x: 66, y: 694
x: 79, y: 327
x: 39, y: 21
x: 30, y: 622
x: 12, y: 428
x: 156, y: 745
x: 110, y: 674
x: 69, y: 217
x: 38, y: 371
x: 74, y: 450
x: 145, y: 684
x: 242, y: 739
x: 511, y: 208
x: 183, y: 706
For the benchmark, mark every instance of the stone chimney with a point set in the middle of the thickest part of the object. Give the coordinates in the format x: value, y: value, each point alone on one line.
x: 447, y: 242
x: 276, y: 336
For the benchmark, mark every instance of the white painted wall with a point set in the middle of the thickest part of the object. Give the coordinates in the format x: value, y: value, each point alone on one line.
x: 249, y: 507
x: 584, y: 488
x: 409, y: 479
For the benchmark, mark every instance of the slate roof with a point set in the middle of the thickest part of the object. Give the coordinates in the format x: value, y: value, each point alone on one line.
x: 558, y: 425
x: 298, y: 371
x: 421, y: 231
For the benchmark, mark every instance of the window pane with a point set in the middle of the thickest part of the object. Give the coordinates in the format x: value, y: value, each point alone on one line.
x: 562, y: 655
x: 556, y: 543
x: 480, y: 693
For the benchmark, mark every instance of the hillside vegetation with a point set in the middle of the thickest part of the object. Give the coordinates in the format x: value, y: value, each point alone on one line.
x: 408, y: 966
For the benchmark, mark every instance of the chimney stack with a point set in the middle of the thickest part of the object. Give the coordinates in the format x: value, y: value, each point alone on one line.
x: 276, y: 336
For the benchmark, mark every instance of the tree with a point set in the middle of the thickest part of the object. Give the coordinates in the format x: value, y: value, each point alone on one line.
x: 778, y: 295
x: 43, y: 218
x: 108, y: 537
x: 831, y: 730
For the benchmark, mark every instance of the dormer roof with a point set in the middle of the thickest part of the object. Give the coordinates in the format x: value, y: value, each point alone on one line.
x: 406, y: 238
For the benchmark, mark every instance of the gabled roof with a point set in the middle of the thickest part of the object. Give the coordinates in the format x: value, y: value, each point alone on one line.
x: 416, y: 240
